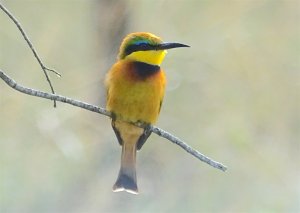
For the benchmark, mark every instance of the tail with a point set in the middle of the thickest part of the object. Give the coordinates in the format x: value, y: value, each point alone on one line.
x: 127, y: 175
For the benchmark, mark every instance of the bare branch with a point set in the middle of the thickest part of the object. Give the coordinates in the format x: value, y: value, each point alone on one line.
x: 103, y: 111
x: 55, y: 97
x: 90, y: 107
x: 44, y: 68
x: 188, y: 148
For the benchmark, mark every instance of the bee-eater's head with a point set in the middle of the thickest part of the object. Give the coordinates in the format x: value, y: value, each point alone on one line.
x: 145, y: 47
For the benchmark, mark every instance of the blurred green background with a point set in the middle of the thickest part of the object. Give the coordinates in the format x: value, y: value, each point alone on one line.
x: 234, y: 95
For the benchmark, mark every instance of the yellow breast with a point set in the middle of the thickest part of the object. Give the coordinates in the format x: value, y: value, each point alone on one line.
x: 132, y: 99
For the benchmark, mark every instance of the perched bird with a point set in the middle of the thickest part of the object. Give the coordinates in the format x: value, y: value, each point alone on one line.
x: 135, y: 90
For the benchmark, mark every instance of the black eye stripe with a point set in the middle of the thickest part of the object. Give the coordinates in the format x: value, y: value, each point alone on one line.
x: 139, y: 47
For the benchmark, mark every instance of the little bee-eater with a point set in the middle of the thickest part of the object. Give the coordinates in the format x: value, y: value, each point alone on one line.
x: 135, y: 90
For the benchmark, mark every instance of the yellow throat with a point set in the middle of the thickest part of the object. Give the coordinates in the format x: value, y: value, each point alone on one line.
x: 154, y: 57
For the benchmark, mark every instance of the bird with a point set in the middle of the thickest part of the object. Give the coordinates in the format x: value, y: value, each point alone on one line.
x: 135, y: 87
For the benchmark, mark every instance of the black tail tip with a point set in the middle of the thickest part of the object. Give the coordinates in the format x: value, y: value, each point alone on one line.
x: 125, y: 183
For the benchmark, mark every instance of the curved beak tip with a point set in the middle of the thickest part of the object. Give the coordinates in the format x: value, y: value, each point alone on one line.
x: 182, y: 45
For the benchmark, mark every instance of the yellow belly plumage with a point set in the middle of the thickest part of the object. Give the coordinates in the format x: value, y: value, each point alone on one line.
x: 132, y: 99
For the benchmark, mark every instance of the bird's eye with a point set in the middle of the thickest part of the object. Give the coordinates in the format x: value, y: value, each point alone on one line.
x: 138, y: 46
x: 142, y: 45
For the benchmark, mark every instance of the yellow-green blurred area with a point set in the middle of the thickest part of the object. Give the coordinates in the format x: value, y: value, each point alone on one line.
x: 234, y: 96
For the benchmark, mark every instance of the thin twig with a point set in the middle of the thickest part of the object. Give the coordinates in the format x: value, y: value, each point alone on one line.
x: 187, y: 148
x: 44, y: 68
x: 103, y: 111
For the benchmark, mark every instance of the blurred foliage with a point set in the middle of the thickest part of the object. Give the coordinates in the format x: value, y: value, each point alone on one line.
x: 234, y: 96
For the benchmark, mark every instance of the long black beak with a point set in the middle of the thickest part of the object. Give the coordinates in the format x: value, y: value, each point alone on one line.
x: 168, y: 45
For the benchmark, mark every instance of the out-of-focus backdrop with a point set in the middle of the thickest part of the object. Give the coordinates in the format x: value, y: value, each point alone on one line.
x: 234, y: 95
